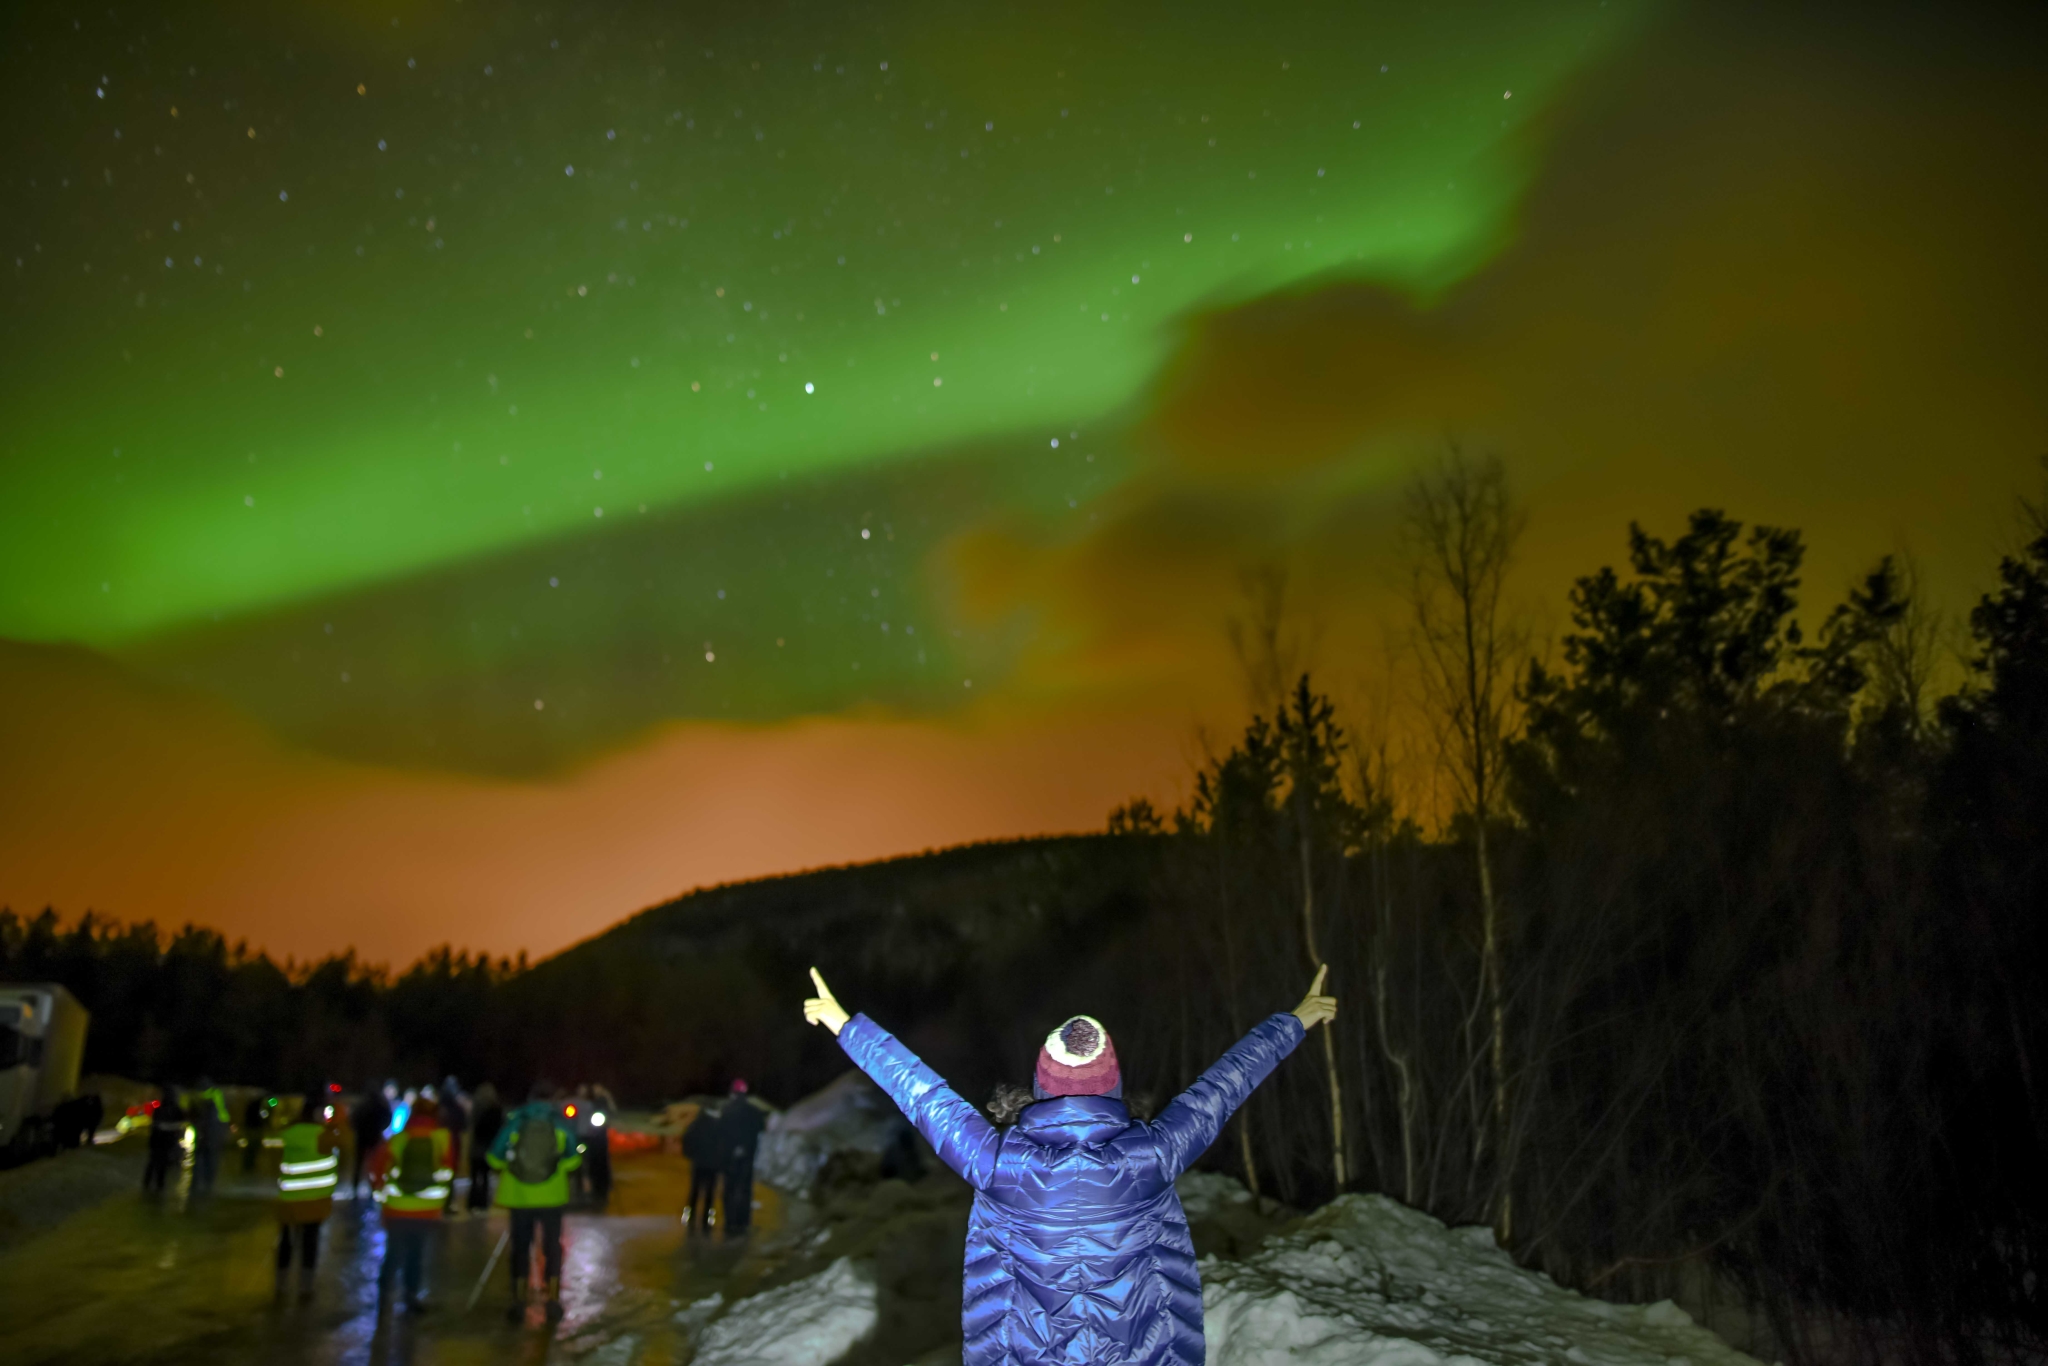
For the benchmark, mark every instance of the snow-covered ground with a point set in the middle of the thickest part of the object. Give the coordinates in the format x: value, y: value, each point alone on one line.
x: 1366, y: 1281
x: 1363, y: 1281
x: 805, y: 1323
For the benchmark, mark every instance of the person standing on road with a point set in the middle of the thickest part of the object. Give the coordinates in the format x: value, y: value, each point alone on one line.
x: 369, y: 1120
x: 255, y: 1120
x: 597, y: 1148
x: 455, y: 1119
x: 209, y: 1128
x: 411, y: 1174
x: 700, y: 1149
x: 578, y: 1112
x: 740, y: 1122
x: 534, y: 1154
x: 486, y: 1117
x: 308, y: 1169
x: 590, y: 1112
x: 1077, y: 1246
x: 166, y: 1140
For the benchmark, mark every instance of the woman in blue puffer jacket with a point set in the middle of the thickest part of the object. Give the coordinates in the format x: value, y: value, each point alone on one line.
x: 1077, y: 1250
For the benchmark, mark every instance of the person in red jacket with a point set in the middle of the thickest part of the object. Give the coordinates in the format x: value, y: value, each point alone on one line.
x: 411, y: 1174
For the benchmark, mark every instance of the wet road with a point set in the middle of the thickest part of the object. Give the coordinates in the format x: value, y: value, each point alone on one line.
x: 181, y: 1278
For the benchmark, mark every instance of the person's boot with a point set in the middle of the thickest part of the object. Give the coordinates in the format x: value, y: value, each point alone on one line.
x: 516, y: 1311
x: 555, y: 1300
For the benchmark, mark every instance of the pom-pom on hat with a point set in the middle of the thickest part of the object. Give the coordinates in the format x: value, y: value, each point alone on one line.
x: 1078, y: 1060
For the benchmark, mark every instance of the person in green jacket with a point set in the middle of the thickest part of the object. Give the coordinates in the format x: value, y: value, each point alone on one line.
x: 534, y: 1154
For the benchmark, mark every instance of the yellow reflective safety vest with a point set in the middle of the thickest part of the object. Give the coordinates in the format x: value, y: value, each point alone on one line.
x: 419, y: 1158
x: 303, y: 1171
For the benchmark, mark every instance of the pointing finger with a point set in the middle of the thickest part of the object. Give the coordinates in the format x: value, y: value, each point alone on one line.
x: 819, y: 983
x: 1316, y: 987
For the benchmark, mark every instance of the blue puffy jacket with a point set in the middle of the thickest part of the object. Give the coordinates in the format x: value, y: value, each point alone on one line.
x: 1077, y: 1250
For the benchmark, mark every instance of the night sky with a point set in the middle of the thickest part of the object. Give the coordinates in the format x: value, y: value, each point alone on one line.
x: 470, y: 471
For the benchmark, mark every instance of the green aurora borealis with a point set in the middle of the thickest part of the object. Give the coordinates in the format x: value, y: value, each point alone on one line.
x: 681, y: 302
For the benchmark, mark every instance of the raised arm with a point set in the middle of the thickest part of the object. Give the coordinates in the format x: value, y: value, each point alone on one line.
x: 1191, y: 1123
x: 964, y: 1140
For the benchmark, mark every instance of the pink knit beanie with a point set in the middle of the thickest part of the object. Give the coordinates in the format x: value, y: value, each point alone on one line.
x: 1078, y: 1060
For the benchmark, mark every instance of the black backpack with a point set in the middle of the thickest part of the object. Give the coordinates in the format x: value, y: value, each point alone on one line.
x: 534, y: 1154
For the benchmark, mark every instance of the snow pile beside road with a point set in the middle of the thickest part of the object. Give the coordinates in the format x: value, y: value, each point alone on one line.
x: 806, y: 1323
x: 1211, y: 1195
x: 851, y: 1114
x: 38, y: 1196
x: 1366, y: 1281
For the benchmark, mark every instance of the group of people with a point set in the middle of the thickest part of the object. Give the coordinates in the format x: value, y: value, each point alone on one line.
x: 408, y: 1153
x: 1077, y: 1240
x: 720, y: 1144
x: 471, y: 1119
x: 406, y: 1148
x: 203, y: 1112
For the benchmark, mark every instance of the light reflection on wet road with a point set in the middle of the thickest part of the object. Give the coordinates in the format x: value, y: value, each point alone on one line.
x: 185, y: 1279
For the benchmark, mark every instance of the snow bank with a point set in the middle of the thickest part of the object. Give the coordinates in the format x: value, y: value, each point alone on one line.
x: 1211, y: 1195
x: 849, y: 1115
x: 38, y: 1196
x: 806, y: 1323
x: 1366, y: 1281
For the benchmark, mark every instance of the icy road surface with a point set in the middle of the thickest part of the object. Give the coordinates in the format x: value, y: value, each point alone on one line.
x: 192, y: 1279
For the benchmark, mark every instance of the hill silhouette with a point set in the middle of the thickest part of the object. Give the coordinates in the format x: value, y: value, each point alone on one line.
x: 969, y: 953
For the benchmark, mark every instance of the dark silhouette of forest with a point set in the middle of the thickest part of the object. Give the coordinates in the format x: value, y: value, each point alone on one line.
x: 1729, y: 961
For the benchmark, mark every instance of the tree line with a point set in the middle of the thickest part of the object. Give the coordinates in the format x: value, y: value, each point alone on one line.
x: 1727, y: 962
x: 169, y: 1007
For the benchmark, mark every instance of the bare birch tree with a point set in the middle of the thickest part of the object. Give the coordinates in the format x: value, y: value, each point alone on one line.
x: 1906, y: 657
x: 1375, y: 787
x: 1461, y: 527
x: 1314, y: 745
x: 1273, y: 653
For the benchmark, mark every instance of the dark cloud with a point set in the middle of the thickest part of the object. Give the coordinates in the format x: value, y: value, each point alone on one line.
x: 1789, y: 264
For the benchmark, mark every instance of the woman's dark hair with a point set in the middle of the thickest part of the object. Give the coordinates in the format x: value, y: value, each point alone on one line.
x: 1007, y: 1102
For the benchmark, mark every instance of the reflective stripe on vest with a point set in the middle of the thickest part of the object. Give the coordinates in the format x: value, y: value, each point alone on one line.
x: 428, y: 1194
x: 306, y: 1173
